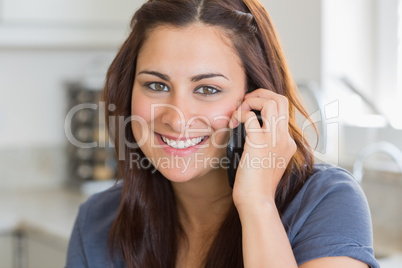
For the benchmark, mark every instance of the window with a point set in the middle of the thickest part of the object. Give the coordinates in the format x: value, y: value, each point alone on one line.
x: 362, y: 42
x: 389, y: 59
x: 400, y: 50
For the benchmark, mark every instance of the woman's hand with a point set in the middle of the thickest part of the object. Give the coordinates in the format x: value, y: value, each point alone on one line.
x: 268, y: 148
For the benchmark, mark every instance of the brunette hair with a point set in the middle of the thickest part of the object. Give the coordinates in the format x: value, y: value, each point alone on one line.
x: 146, y: 230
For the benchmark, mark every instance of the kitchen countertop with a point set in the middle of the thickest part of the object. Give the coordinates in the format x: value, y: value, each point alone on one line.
x: 49, y: 211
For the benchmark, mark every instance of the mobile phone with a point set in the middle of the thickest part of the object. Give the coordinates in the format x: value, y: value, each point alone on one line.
x: 235, y: 148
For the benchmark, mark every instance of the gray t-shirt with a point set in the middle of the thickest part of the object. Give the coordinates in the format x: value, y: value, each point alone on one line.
x: 328, y: 217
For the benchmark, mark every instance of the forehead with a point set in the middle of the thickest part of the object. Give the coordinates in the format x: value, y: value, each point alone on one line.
x: 192, y: 46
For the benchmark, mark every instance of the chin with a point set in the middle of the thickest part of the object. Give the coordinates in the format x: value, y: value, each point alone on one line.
x: 181, y: 175
x: 177, y: 176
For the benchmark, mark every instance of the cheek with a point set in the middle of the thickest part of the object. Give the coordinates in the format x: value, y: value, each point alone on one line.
x: 141, y: 112
x: 140, y: 106
x: 221, y: 113
x: 219, y: 118
x: 140, y: 117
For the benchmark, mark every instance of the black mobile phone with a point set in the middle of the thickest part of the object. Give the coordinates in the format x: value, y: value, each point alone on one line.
x: 234, y: 150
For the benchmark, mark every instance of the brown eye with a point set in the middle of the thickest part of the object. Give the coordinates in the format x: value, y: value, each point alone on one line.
x: 158, y: 87
x: 207, y: 90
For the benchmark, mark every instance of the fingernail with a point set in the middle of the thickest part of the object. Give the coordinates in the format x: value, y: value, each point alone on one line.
x: 233, y: 123
x: 230, y: 123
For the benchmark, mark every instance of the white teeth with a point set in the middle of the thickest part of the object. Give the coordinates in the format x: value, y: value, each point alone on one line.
x: 180, y: 144
x: 196, y: 140
x: 183, y: 143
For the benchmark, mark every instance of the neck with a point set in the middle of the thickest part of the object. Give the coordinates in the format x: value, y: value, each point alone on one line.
x: 203, y: 202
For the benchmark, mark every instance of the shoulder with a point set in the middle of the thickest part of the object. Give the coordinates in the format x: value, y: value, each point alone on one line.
x: 329, y: 191
x: 97, y: 214
x: 330, y: 217
x: 104, y: 201
x: 328, y: 181
x: 328, y: 185
x: 327, y: 177
x: 88, y: 245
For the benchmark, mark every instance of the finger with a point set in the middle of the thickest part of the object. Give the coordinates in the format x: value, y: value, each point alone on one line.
x: 255, y: 136
x: 273, y: 122
x: 269, y: 95
x: 233, y: 122
x: 249, y: 119
x: 256, y: 104
x: 261, y: 93
x: 268, y: 108
x: 270, y: 113
x: 250, y: 104
x: 282, y: 102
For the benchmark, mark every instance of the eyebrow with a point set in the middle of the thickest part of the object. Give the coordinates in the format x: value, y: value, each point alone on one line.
x: 195, y: 78
x: 161, y: 76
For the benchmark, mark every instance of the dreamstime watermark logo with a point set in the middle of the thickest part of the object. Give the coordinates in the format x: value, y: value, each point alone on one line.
x: 326, y: 119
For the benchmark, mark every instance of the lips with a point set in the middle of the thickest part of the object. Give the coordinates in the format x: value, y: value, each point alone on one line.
x: 182, y: 144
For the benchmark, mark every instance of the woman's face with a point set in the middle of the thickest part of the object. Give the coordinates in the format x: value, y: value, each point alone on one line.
x: 188, y: 82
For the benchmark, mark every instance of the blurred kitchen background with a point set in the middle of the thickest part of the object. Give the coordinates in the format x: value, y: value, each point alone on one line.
x: 346, y: 56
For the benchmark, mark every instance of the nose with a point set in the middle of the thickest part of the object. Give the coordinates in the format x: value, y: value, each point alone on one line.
x: 176, y: 113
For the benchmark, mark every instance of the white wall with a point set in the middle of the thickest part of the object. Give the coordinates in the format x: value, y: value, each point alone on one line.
x: 386, y: 62
x: 43, y: 46
x: 328, y: 38
x: 348, y: 42
x: 33, y: 92
x: 299, y: 24
x: 32, y: 112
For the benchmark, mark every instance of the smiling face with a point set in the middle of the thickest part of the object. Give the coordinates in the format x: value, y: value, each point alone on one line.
x: 187, y: 84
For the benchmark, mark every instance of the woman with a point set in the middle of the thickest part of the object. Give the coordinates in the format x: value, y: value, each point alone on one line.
x: 189, y: 70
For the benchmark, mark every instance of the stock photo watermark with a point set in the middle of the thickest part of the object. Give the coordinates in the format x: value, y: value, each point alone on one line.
x: 325, y: 118
x: 199, y: 160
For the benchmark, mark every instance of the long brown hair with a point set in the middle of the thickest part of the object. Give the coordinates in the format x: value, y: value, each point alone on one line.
x: 146, y: 231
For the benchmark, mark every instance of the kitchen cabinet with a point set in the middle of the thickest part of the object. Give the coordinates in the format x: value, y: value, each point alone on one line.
x: 35, y: 226
x: 65, y: 23
x: 31, y: 249
x: 6, y: 250
x: 45, y: 253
